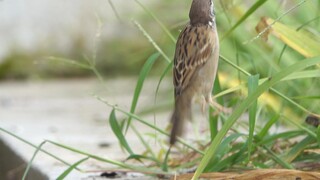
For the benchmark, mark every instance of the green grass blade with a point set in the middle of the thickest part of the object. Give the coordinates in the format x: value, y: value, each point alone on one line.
x: 246, y: 103
x: 237, y: 156
x: 297, y: 75
x: 71, y: 168
x: 213, y: 118
x: 267, y: 126
x: 164, y: 73
x: 90, y: 66
x: 102, y: 159
x: 252, y: 86
x: 253, y: 8
x: 164, y: 165
x: 143, y: 75
x: 163, y: 27
x: 304, y: 74
x: 134, y: 116
x: 291, y: 101
x: 155, y: 45
x: 138, y: 156
x: 298, y: 148
x: 117, y: 131
x: 300, y: 126
x: 284, y: 135
x: 271, y: 89
x: 277, y: 159
x: 97, y: 73
x: 228, y: 91
x: 306, y: 97
x: 318, y: 135
x: 31, y: 160
x: 70, y: 61
x: 143, y: 141
x: 34, y: 146
x: 223, y: 149
x: 234, y: 65
x: 114, y: 10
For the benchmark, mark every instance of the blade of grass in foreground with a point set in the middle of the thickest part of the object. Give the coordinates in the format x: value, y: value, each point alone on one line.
x: 164, y: 165
x: 296, y: 75
x: 164, y: 73
x: 36, y: 147
x: 298, y: 148
x: 246, y: 103
x: 244, y: 17
x: 68, y: 171
x: 114, y: 10
x: 148, y: 146
x: 90, y: 66
x: 163, y: 27
x: 117, y: 131
x: 318, y: 135
x: 134, y: 116
x: 277, y: 159
x: 137, y: 156
x: 155, y: 45
x: 213, y: 118
x: 143, y: 75
x: 271, y: 89
x: 117, y: 163
x: 70, y: 61
x: 252, y: 86
x: 221, y: 152
x: 31, y: 160
x: 267, y: 126
x: 284, y: 135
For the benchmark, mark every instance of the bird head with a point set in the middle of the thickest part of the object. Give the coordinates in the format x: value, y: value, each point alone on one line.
x: 201, y: 12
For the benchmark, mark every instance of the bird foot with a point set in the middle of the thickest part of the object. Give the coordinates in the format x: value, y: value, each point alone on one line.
x: 219, y: 107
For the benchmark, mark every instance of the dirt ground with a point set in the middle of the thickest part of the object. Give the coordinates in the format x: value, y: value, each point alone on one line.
x: 67, y: 112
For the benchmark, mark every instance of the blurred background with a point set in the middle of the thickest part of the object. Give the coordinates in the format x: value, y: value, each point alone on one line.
x: 106, y: 32
x: 32, y: 31
x: 54, y: 43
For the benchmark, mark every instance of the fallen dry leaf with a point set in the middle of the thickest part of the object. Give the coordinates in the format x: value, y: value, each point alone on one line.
x: 261, y: 174
x: 298, y: 40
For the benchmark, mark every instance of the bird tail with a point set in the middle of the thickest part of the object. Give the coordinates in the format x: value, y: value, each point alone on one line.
x: 182, y: 111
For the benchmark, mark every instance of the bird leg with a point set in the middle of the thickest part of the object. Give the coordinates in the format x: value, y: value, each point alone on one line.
x: 201, y: 100
x: 219, y: 107
x: 203, y: 104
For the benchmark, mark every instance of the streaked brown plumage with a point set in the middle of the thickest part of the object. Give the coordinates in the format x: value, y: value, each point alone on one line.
x: 195, y: 63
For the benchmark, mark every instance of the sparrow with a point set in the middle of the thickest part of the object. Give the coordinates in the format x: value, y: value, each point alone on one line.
x: 195, y: 63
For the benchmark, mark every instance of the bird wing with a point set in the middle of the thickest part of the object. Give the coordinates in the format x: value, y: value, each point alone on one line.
x: 194, y: 48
